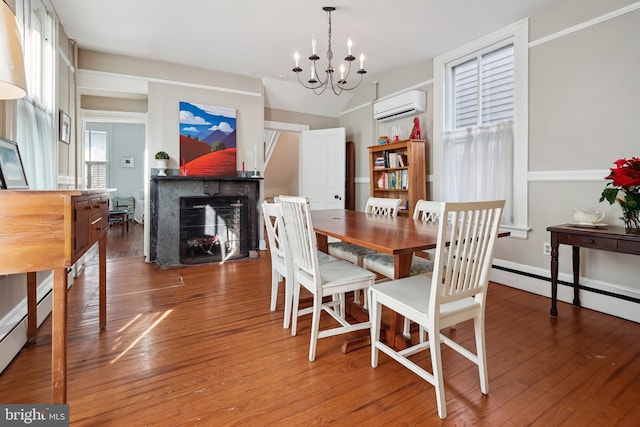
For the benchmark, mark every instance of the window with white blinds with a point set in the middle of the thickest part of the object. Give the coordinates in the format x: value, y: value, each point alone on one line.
x: 483, y: 89
x: 95, y: 159
x: 95, y: 175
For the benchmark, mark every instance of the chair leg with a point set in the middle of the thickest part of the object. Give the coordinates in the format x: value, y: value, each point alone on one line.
x: 356, y: 297
x: 406, y: 330
x: 375, y: 311
x: 315, y: 325
x: 275, y: 280
x: 294, y: 308
x: 288, y: 302
x: 478, y: 325
x: 438, y: 380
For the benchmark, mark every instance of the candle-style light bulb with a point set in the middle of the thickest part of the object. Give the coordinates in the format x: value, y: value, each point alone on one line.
x: 313, y: 45
x: 361, y: 61
x: 341, y: 71
x: 313, y: 71
x: 349, y: 44
x: 296, y: 56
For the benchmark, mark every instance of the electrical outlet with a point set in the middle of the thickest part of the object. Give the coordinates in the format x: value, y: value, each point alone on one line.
x: 546, y: 248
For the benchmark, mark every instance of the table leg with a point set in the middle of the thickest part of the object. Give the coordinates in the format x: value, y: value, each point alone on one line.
x: 102, y: 281
x: 32, y: 307
x: 394, y: 333
x: 554, y: 275
x: 322, y: 242
x: 59, y: 337
x: 576, y: 276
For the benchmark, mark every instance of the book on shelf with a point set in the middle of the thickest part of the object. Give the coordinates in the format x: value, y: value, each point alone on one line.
x: 393, y: 180
x: 379, y: 163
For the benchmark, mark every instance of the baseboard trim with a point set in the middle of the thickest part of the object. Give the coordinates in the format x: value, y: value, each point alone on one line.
x: 605, y: 297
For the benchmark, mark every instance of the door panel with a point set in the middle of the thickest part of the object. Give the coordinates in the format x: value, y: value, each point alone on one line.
x: 322, y: 168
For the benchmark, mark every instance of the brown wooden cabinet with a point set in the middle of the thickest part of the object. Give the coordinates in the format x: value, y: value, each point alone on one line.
x: 51, y: 230
x: 397, y: 170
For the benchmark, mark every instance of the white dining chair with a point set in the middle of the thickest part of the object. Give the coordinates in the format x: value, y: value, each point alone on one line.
x: 281, y: 263
x: 356, y: 253
x: 455, y: 292
x: 384, y: 263
x: 425, y: 210
x: 330, y: 279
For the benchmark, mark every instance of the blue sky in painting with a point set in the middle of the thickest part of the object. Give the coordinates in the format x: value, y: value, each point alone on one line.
x: 197, y: 120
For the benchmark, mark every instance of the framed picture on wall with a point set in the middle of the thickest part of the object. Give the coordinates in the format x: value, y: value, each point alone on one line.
x: 64, y: 124
x: 127, y: 162
x: 12, y: 174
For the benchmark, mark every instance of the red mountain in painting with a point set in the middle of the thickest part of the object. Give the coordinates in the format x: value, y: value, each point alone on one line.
x: 218, y: 163
x: 191, y: 149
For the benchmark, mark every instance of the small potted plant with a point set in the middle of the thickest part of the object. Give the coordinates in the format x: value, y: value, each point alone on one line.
x: 162, y: 158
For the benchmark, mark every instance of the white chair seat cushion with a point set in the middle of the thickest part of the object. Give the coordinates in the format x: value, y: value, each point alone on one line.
x: 349, y: 251
x: 415, y: 291
x: 324, y: 258
x: 384, y: 264
x: 338, y: 273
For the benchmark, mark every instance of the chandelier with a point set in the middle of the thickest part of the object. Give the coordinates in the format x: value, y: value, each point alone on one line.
x: 318, y: 85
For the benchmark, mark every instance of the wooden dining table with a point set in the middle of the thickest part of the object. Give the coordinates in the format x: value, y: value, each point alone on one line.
x: 398, y: 236
x: 395, y: 235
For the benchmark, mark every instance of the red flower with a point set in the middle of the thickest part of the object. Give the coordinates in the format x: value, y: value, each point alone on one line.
x: 624, y: 187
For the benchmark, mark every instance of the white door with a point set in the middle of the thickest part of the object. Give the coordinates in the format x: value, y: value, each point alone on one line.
x: 322, y: 167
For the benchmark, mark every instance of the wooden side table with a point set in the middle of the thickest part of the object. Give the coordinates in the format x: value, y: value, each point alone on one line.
x: 51, y: 230
x: 608, y: 238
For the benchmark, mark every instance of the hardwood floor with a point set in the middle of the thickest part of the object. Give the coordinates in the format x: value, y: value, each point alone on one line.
x: 199, y: 346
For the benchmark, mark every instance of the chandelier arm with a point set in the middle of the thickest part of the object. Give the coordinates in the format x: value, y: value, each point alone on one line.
x: 312, y: 87
x: 344, y: 86
x: 337, y: 86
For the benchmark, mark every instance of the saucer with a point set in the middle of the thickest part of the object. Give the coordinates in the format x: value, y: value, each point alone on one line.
x: 588, y: 224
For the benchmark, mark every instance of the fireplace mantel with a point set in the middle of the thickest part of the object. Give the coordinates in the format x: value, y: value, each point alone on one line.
x: 164, y: 209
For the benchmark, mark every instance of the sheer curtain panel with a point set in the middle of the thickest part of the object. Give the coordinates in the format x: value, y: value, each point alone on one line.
x: 478, y: 165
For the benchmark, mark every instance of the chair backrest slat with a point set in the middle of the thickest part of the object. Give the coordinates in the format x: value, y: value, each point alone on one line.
x: 463, y: 270
x: 275, y: 233
x: 382, y: 206
x: 427, y: 210
x: 300, y: 235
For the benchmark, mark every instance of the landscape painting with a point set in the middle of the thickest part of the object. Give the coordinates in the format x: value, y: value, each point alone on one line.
x: 207, y: 140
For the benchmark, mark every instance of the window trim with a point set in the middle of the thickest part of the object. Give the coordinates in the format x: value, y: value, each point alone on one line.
x: 518, y: 33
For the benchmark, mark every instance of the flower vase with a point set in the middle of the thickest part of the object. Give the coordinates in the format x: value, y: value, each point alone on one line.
x: 161, y: 165
x: 631, y: 218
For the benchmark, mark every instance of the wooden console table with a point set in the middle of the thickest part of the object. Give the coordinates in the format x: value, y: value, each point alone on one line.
x: 610, y: 238
x: 51, y: 230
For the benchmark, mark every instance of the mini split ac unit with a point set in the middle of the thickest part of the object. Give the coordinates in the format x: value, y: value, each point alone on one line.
x: 405, y: 104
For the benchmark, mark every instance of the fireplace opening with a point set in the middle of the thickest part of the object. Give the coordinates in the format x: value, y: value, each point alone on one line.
x: 213, y: 228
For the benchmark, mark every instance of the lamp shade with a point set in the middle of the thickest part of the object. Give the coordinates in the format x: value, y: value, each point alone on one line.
x: 13, y: 84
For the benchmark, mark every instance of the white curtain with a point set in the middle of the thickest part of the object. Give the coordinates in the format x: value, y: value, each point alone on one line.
x: 478, y: 165
x: 36, y: 143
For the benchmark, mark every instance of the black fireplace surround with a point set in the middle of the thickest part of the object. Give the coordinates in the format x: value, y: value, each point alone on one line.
x: 171, y: 245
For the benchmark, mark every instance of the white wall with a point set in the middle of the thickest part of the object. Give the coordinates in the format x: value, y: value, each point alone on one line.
x: 281, y: 173
x: 123, y: 140
x: 583, y: 109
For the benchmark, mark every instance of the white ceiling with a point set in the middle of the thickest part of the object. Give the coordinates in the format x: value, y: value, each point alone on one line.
x: 257, y: 38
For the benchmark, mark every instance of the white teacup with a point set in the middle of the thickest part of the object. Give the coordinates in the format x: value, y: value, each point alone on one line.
x: 588, y: 217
